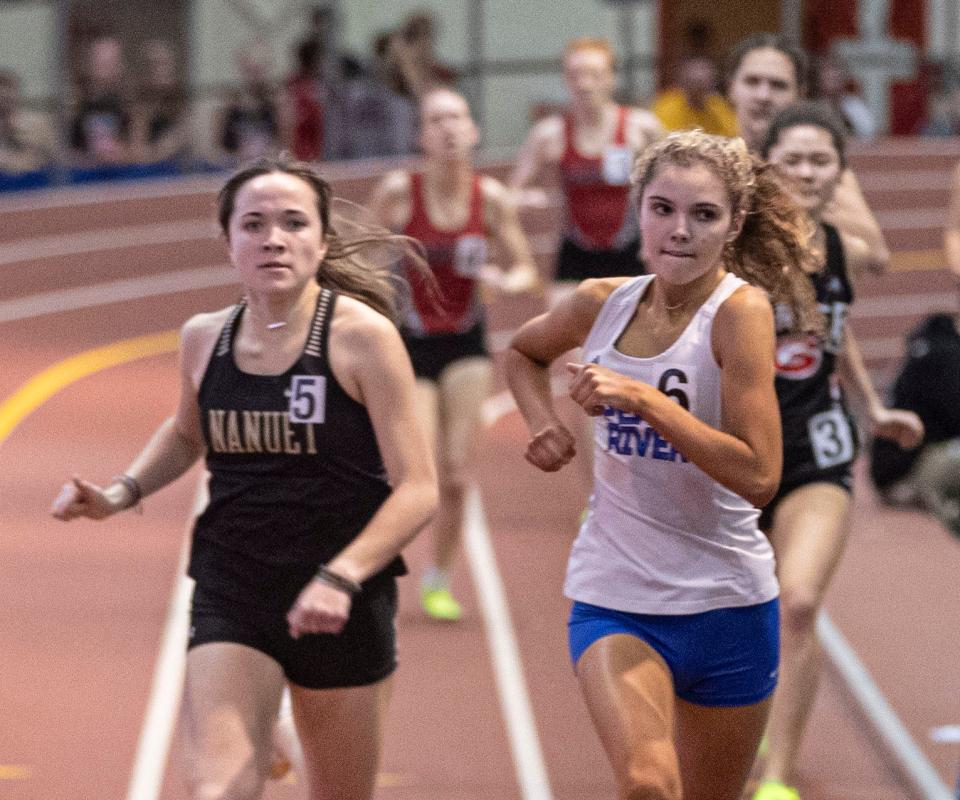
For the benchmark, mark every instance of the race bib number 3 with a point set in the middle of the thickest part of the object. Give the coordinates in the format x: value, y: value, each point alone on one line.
x: 616, y: 165
x: 308, y: 398
x: 830, y: 438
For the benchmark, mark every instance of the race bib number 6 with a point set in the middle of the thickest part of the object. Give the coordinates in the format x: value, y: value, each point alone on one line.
x: 830, y: 438
x: 308, y: 398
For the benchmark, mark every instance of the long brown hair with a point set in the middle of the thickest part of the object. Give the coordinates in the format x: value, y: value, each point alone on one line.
x: 349, y: 265
x: 772, y: 250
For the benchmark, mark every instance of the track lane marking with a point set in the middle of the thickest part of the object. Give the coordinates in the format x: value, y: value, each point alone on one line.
x: 36, y: 391
x: 15, y: 772
x: 515, y: 705
x: 166, y: 686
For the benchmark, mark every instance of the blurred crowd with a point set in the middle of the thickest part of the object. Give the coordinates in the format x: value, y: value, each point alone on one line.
x: 131, y: 117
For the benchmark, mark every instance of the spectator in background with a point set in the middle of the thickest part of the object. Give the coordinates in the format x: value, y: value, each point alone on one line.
x: 249, y: 126
x: 327, y: 84
x: 323, y: 30
x: 695, y: 101
x: 26, y: 139
x: 833, y: 86
x: 944, y: 117
x: 382, y: 115
x: 929, y: 384
x: 161, y: 124
x: 413, y: 53
x: 100, y: 127
x: 303, y: 109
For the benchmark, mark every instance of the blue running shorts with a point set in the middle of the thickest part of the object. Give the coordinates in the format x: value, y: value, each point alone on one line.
x: 724, y: 657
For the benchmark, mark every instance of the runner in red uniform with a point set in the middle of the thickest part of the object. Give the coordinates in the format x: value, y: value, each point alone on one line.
x: 598, y: 218
x: 453, y: 212
x: 456, y: 256
x: 591, y: 149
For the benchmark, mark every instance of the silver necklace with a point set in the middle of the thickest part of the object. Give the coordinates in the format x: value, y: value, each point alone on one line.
x: 270, y: 326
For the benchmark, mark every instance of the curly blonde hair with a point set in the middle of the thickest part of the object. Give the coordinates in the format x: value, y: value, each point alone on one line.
x: 773, y: 249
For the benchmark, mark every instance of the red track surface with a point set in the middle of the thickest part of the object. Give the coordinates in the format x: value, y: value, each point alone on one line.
x: 84, y: 605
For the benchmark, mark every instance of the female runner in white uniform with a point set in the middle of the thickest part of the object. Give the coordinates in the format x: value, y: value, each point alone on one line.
x: 674, y: 628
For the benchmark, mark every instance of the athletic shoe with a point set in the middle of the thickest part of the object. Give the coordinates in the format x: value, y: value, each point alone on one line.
x: 440, y: 604
x: 774, y: 790
x: 279, y: 768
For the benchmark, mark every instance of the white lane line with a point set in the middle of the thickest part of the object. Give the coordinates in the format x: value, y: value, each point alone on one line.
x: 911, y: 218
x: 28, y: 251
x: 102, y: 193
x: 879, y: 348
x: 906, y: 305
x: 153, y: 747
x: 515, y: 706
x: 910, y: 760
x: 101, y: 294
x: 200, y: 184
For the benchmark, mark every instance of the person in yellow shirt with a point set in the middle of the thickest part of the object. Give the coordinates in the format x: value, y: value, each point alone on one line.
x: 695, y: 102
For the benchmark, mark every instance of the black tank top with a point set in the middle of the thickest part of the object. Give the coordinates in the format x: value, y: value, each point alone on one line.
x: 806, y: 363
x: 295, y: 471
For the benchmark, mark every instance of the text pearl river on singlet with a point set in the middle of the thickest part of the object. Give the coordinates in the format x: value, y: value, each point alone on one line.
x: 661, y: 536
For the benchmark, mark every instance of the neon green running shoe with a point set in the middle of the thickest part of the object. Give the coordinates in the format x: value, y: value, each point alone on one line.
x: 439, y: 603
x: 774, y: 790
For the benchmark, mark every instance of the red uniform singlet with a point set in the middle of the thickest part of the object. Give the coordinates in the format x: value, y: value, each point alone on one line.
x: 597, y: 190
x: 455, y: 258
x: 307, y: 143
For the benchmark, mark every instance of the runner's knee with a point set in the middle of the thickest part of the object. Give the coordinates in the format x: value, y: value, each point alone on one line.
x: 651, y: 779
x: 798, y: 609
x: 650, y: 787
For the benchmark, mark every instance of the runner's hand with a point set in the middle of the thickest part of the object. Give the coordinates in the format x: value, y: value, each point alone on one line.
x: 551, y: 448
x: 320, y: 608
x: 520, y: 279
x: 902, y: 427
x: 80, y: 498
x: 532, y: 198
x: 593, y: 387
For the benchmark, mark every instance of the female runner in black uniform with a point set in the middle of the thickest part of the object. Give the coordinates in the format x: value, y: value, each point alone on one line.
x: 765, y: 74
x: 808, y: 519
x: 301, y: 399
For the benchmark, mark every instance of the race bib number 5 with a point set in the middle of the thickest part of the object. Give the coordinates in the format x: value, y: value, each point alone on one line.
x: 830, y: 438
x: 308, y: 398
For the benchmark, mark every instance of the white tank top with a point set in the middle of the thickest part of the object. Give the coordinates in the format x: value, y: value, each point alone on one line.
x: 661, y: 536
